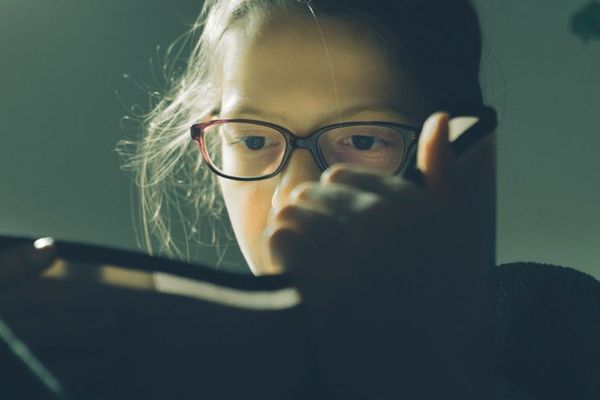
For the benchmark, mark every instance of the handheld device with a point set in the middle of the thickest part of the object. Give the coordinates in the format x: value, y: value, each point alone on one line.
x: 466, y: 130
x: 154, y: 327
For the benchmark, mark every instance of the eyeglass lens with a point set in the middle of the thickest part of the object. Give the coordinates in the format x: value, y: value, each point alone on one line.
x: 250, y: 151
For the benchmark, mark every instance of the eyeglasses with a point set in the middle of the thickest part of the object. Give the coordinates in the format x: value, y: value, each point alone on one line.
x: 249, y: 150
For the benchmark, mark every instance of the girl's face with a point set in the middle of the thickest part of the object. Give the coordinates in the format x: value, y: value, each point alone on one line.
x: 279, y: 72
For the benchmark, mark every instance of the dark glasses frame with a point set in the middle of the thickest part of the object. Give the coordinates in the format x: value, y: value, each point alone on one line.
x: 294, y: 141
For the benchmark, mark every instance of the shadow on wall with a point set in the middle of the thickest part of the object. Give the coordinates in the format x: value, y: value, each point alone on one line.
x: 585, y: 24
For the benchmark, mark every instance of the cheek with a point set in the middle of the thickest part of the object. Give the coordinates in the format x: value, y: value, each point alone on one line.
x: 248, y: 205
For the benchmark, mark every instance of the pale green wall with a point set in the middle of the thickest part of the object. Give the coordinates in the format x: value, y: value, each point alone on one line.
x: 546, y: 84
x: 62, y: 61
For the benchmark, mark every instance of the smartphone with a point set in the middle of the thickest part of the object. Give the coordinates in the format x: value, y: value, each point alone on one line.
x: 466, y: 130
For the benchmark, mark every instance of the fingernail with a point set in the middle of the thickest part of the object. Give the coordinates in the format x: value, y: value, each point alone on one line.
x: 443, y: 119
x: 434, y: 120
x: 427, y: 125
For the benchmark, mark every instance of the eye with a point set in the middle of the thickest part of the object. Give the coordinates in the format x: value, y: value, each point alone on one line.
x: 251, y: 143
x: 254, y: 142
x: 362, y: 142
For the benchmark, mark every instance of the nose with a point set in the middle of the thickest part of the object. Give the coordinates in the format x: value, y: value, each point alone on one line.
x: 301, y: 167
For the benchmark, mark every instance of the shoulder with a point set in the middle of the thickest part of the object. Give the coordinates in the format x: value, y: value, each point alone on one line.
x: 548, y: 335
x: 548, y: 291
x: 539, y: 275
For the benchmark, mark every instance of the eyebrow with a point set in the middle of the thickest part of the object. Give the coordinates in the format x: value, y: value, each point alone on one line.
x: 353, y: 110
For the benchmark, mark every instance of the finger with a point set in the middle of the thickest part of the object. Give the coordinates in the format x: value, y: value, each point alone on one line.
x: 434, y: 156
x: 320, y: 276
x: 361, y: 178
x: 341, y: 200
x: 306, y: 220
x: 335, y: 199
x: 289, y: 250
x: 272, y: 259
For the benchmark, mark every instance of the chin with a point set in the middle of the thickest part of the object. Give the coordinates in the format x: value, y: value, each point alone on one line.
x: 263, y: 268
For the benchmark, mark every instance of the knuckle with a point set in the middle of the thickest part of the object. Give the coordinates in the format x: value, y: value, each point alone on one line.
x: 301, y: 191
x: 406, y: 194
x: 376, y: 204
x: 365, y: 201
x: 397, y: 186
x: 335, y: 172
x: 286, y: 212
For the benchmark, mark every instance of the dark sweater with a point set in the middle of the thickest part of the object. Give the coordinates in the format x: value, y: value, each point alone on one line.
x: 548, y: 338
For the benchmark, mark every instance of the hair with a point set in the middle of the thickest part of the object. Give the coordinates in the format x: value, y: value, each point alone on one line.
x: 439, y: 41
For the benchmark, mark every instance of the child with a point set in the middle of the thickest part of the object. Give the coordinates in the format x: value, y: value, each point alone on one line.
x: 264, y: 80
x: 304, y: 112
x: 385, y: 71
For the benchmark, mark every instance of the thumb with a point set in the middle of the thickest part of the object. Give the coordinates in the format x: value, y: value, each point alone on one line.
x: 434, y: 155
x: 285, y: 250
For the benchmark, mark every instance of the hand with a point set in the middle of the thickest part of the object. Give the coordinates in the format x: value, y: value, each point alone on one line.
x: 394, y: 276
x: 22, y: 262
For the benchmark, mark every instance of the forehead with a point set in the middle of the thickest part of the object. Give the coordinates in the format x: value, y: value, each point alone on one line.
x: 287, y: 60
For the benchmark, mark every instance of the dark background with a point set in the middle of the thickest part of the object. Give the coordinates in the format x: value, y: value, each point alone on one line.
x: 63, y: 96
